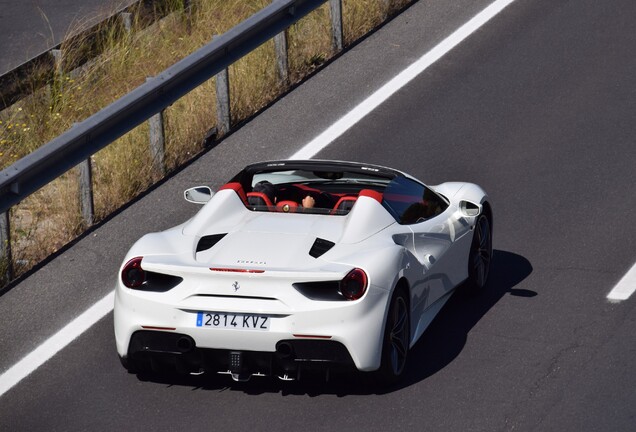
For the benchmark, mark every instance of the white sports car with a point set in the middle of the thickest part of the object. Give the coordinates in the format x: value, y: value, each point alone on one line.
x: 297, y: 265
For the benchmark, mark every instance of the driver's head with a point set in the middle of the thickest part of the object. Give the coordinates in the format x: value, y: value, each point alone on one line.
x: 267, y: 188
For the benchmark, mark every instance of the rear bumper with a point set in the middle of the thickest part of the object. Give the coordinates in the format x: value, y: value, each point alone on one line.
x: 357, y: 326
x: 158, y: 349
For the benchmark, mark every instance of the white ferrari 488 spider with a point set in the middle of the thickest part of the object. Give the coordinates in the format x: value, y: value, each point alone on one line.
x: 297, y: 265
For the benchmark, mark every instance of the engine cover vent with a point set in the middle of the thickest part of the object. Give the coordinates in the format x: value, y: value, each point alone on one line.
x: 320, y: 247
x: 206, y: 242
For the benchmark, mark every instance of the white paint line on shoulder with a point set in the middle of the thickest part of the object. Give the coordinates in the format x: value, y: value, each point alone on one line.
x: 86, y: 320
x: 625, y: 287
x: 399, y: 81
x: 55, y: 343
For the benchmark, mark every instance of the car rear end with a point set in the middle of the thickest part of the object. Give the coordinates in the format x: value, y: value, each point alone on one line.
x: 245, y: 319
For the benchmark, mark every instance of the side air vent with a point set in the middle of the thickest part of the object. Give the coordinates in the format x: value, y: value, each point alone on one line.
x: 206, y: 242
x: 320, y: 247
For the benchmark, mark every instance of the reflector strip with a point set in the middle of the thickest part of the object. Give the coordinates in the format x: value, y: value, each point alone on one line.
x: 237, y: 270
x: 312, y: 336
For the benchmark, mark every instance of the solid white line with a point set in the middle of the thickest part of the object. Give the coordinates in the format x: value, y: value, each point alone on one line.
x: 399, y: 81
x: 55, y: 343
x: 100, y: 309
x: 625, y: 287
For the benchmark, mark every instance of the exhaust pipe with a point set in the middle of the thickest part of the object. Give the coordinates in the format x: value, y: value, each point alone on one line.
x: 185, y: 344
x: 284, y: 350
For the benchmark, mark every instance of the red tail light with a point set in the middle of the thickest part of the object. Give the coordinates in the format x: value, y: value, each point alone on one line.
x: 354, y: 284
x: 133, y: 276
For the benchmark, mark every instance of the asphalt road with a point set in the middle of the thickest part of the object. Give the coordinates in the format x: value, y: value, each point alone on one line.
x: 29, y: 28
x: 538, y: 107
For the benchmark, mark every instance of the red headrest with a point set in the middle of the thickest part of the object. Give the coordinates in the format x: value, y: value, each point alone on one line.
x: 345, y: 203
x: 238, y: 188
x: 371, y: 194
x: 258, y: 198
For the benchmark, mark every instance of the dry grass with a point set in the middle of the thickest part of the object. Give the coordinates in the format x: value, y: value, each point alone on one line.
x: 51, y: 217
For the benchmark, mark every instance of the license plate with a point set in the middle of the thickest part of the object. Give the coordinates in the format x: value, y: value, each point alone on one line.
x: 232, y: 321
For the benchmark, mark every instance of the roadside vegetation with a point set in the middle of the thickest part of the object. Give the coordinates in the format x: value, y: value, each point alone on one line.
x: 50, y: 218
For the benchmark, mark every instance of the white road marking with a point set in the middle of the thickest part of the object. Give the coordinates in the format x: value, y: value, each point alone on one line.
x: 56, y: 342
x: 86, y: 320
x: 625, y: 287
x: 399, y: 81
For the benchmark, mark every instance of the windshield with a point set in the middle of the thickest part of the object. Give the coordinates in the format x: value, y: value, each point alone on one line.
x: 306, y: 191
x: 334, y: 179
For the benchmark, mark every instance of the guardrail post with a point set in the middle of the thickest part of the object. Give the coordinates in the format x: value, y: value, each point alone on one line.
x: 187, y: 9
x: 57, y: 59
x: 386, y: 5
x: 280, y: 46
x: 6, y: 264
x: 55, y: 88
x: 157, y: 137
x: 223, y: 119
x: 86, y: 191
x: 335, y: 7
x: 126, y: 19
x: 157, y: 143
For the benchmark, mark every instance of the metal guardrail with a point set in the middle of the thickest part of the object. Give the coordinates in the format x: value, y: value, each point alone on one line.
x: 91, y: 135
x: 84, y: 139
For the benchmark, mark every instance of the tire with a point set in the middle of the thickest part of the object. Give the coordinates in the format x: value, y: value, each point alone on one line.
x: 480, y: 254
x: 397, y: 337
x: 128, y: 364
x: 135, y: 366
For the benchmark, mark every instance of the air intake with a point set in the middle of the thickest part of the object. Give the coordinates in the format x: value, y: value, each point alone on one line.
x: 320, y: 247
x: 206, y: 242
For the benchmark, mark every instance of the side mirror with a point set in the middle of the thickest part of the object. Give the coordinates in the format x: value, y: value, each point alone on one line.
x: 469, y: 209
x: 198, y: 194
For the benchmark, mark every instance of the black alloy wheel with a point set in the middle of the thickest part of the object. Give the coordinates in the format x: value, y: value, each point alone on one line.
x: 397, y: 338
x: 480, y: 254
